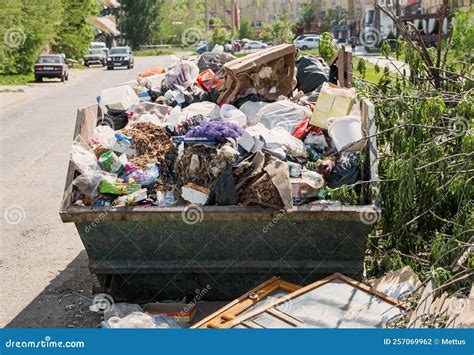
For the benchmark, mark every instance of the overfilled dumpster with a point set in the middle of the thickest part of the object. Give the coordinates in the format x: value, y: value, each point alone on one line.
x: 144, y: 248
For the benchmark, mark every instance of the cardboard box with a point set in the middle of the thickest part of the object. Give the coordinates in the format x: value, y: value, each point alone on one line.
x: 270, y: 71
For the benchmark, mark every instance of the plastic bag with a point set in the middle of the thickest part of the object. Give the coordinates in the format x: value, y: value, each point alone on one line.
x: 213, y: 61
x: 230, y: 113
x: 105, y: 136
x: 142, y: 177
x: 89, y: 181
x: 82, y: 156
x: 183, y: 73
x: 251, y: 109
x: 316, y: 138
x: 134, y: 320
x: 285, y: 114
x: 121, y: 310
x: 209, y: 110
x: 311, y: 73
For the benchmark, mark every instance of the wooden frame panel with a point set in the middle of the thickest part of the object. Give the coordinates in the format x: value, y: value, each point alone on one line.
x: 230, y: 311
x: 270, y: 308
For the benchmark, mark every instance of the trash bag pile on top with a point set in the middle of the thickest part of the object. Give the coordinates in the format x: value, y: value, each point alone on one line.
x: 262, y: 130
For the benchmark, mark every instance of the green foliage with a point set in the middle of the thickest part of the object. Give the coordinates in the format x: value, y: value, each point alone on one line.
x: 26, y: 27
x: 327, y: 48
x: 425, y: 168
x: 219, y: 36
x: 278, y: 32
x: 246, y: 30
x: 308, y: 15
x: 462, y: 41
x: 335, y: 17
x: 140, y: 22
x: 362, y: 67
x: 75, y: 32
x: 180, y: 22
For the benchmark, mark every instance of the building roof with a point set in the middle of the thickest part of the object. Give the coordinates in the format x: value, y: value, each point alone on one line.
x: 105, y: 24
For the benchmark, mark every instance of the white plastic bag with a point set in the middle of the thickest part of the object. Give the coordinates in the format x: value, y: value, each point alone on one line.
x: 89, y: 181
x: 316, y: 138
x: 209, y: 110
x: 285, y: 114
x: 105, y: 136
x: 251, y: 109
x: 82, y: 156
x: 230, y: 113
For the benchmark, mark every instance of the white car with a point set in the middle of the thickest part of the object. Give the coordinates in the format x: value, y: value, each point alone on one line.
x: 308, y: 43
x: 255, y: 45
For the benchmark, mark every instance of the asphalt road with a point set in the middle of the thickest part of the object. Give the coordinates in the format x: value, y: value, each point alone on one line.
x: 44, y: 280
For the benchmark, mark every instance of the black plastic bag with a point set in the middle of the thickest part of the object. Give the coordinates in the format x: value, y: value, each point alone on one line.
x: 115, y: 119
x: 311, y: 73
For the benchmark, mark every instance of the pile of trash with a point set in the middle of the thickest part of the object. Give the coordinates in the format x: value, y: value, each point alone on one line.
x: 262, y: 130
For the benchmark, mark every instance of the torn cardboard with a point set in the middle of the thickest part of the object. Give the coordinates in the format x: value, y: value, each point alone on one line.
x: 269, y: 71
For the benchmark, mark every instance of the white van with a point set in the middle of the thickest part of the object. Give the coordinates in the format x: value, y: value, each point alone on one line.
x: 99, y: 45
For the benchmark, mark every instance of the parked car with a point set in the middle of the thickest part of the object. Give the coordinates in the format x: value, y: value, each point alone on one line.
x: 255, y: 45
x: 51, y: 66
x: 95, y: 56
x: 100, y: 45
x: 301, y: 37
x: 120, y: 57
x: 308, y: 43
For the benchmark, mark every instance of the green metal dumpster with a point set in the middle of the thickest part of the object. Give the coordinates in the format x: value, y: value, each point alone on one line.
x: 141, y: 254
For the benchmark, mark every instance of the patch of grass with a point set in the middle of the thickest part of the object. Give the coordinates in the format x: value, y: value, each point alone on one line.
x: 16, y: 79
x: 370, y: 73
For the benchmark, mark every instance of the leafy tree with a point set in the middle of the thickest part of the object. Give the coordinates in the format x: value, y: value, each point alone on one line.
x: 26, y: 28
x: 246, y: 30
x: 326, y: 46
x: 219, y: 35
x: 75, y: 32
x: 279, y: 31
x: 462, y: 41
x: 334, y: 18
x: 308, y: 15
x: 140, y: 21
